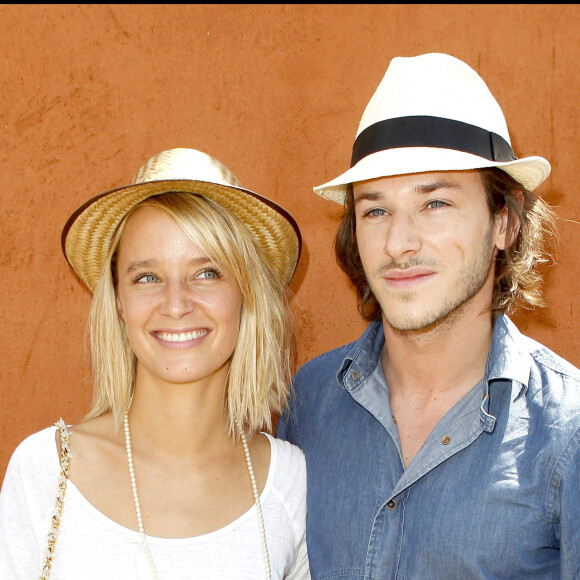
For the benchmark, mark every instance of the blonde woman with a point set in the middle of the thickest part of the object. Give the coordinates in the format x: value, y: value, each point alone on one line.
x: 170, y: 476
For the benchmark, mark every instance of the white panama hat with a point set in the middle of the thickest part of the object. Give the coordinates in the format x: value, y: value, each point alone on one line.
x: 432, y: 112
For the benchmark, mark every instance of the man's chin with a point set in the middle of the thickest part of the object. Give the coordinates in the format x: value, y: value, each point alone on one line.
x: 423, y: 322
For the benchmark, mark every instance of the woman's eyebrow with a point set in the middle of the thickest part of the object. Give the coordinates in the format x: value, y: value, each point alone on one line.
x: 141, y: 264
x: 152, y: 262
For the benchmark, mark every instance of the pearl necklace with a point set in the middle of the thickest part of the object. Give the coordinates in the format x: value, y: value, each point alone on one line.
x: 250, y: 467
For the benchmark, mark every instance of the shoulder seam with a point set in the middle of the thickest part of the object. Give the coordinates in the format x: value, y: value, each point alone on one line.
x: 571, y: 450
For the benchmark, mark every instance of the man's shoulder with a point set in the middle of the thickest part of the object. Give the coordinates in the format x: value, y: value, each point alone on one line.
x: 518, y: 356
x: 547, y: 361
x: 317, y: 377
x: 332, y: 361
x: 553, y: 388
x: 556, y: 382
x: 328, y: 362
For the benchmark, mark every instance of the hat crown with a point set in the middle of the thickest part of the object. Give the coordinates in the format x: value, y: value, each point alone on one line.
x: 187, y: 164
x: 89, y: 232
x: 434, y: 85
x: 432, y: 112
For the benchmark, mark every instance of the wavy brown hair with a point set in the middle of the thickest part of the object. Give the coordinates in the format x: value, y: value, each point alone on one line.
x: 531, y: 222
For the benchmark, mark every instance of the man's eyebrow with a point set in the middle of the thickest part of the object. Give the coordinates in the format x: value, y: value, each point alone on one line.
x: 435, y: 185
x: 368, y: 195
x: 428, y: 187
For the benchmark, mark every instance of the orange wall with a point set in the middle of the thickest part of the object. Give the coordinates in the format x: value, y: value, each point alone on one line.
x: 275, y: 92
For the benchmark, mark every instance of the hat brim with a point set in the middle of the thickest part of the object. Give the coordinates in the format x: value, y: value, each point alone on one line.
x: 529, y: 171
x: 88, y: 233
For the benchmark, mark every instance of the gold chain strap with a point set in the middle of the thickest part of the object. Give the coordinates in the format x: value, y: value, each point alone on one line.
x: 60, y: 493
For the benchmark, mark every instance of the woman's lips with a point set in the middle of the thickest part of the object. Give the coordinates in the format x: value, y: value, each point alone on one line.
x: 181, y: 339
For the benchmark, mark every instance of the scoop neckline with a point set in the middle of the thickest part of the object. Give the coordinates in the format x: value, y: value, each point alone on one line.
x: 134, y: 535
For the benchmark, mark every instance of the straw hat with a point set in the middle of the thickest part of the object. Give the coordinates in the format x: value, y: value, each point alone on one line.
x: 88, y: 233
x: 432, y: 113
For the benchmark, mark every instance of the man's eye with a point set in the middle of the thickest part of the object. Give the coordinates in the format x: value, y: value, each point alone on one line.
x: 436, y: 203
x: 377, y: 211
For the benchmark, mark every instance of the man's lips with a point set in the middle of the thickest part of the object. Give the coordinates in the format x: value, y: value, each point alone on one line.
x: 408, y: 273
x: 408, y: 277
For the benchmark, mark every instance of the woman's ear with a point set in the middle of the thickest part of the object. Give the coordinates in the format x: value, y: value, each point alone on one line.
x: 119, y: 307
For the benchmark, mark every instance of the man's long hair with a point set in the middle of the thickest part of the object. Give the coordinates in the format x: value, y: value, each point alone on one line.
x: 531, y: 225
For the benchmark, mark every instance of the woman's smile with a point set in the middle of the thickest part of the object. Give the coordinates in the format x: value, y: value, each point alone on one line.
x: 181, y: 340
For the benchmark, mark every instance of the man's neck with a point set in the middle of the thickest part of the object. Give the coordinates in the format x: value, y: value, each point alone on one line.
x: 446, y: 356
x: 429, y: 371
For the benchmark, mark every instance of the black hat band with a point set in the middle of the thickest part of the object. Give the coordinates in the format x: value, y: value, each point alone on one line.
x: 425, y: 131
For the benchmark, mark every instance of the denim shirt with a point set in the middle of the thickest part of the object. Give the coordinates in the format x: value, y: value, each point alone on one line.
x: 494, y: 492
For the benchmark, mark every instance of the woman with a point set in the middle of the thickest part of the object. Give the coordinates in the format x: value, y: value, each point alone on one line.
x: 169, y: 476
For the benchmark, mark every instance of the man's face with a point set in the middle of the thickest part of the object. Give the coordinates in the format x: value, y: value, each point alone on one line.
x: 427, y: 243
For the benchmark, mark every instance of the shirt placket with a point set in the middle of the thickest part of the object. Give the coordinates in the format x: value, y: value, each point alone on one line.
x: 460, y: 427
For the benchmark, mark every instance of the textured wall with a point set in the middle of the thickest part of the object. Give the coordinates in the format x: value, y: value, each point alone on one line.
x: 275, y: 92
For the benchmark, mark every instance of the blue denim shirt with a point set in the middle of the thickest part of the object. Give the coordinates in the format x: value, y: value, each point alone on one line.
x: 494, y: 493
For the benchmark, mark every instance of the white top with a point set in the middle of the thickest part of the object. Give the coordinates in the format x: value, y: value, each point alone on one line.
x: 92, y: 546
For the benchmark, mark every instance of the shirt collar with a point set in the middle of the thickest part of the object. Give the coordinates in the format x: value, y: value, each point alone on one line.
x: 508, y: 359
x: 362, y: 357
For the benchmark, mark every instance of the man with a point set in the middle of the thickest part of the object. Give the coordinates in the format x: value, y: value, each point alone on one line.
x: 442, y: 444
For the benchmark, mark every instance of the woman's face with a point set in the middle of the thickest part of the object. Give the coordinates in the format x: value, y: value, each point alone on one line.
x: 182, y: 313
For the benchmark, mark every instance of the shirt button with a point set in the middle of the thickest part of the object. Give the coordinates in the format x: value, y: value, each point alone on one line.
x: 446, y: 440
x: 391, y: 504
x: 356, y: 375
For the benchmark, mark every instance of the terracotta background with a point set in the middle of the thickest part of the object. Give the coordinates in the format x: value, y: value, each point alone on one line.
x: 276, y: 92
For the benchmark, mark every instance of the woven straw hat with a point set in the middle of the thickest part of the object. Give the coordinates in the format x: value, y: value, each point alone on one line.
x: 432, y: 113
x: 88, y: 233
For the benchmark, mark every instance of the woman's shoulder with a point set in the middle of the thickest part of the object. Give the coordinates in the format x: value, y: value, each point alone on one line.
x: 288, y: 468
x: 38, y: 446
x: 33, y: 463
x: 287, y: 486
x: 288, y: 454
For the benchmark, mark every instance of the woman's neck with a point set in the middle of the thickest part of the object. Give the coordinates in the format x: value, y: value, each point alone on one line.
x: 179, y: 418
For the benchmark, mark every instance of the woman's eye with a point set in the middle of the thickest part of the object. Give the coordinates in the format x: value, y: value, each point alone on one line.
x: 209, y: 273
x: 145, y: 278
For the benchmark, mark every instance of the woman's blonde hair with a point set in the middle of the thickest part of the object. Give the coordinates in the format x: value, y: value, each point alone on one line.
x: 260, y: 370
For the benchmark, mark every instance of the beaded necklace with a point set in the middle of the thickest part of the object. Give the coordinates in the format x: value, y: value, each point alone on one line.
x: 254, y: 486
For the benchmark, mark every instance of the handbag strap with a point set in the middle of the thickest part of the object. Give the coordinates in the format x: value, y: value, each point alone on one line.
x: 60, y: 493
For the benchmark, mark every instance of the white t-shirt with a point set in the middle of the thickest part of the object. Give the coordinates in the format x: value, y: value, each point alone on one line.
x: 92, y: 546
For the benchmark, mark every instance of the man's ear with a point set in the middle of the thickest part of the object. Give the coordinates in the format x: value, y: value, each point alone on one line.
x: 507, y: 232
